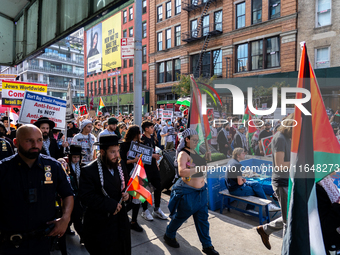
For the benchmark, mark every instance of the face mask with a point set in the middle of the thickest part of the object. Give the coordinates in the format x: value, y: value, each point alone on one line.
x: 169, y: 123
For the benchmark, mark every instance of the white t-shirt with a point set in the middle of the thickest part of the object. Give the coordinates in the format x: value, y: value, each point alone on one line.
x: 84, y: 142
x: 169, y: 138
x: 213, y: 133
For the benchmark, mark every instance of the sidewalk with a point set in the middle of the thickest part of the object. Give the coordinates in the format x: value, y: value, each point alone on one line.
x: 230, y: 236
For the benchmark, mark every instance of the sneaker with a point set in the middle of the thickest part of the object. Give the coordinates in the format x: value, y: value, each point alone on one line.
x: 147, y: 215
x: 251, y: 211
x: 172, y: 242
x: 159, y: 214
x: 136, y: 227
x: 273, y: 208
x: 210, y: 251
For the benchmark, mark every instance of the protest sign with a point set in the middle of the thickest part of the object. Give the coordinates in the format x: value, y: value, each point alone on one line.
x: 178, y: 114
x: 167, y: 114
x: 69, y: 105
x: 82, y: 110
x: 13, y: 92
x: 210, y: 112
x: 8, y: 77
x: 35, y: 106
x: 137, y: 149
x: 160, y: 113
x: 266, y: 145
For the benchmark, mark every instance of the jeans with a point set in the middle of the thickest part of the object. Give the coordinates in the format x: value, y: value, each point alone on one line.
x: 249, y: 189
x: 195, y: 204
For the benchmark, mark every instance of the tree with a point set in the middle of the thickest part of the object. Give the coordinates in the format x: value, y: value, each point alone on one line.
x: 182, y: 88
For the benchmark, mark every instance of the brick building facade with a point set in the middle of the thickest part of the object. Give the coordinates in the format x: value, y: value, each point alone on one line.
x: 239, y: 38
x: 105, y: 84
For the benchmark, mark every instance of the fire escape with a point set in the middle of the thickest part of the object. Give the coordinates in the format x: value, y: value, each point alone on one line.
x: 202, y: 31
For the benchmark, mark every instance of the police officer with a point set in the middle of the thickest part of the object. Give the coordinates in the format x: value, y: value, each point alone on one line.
x: 29, y: 182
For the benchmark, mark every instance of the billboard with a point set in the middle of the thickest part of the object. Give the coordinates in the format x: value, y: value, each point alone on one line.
x: 94, y: 49
x: 111, y: 30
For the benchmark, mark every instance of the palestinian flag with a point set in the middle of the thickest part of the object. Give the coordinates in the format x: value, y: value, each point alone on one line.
x: 138, y: 183
x: 14, y: 117
x: 75, y: 110
x: 337, y: 114
x: 247, y: 117
x: 196, y: 119
x: 314, y: 152
x: 185, y: 101
x: 246, y: 114
x: 91, y: 103
x: 101, y: 103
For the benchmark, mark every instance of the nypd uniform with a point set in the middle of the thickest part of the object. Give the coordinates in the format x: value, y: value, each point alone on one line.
x: 5, y: 149
x: 27, y: 201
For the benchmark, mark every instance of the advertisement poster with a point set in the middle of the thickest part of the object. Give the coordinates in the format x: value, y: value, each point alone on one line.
x: 267, y: 149
x: 94, y: 49
x: 111, y: 31
x: 35, y: 106
x: 13, y: 92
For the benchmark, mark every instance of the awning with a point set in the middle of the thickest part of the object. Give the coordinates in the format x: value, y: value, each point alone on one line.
x: 166, y: 102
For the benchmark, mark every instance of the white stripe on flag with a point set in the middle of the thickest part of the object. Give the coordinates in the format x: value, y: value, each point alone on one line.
x: 317, y: 246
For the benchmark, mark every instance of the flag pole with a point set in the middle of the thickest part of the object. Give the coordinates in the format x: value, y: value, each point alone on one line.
x: 194, y: 85
x: 133, y: 173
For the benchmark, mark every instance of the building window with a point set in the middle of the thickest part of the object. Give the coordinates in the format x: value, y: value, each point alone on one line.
x: 161, y: 72
x: 257, y: 55
x: 240, y: 15
x: 218, y: 21
x: 87, y: 89
x: 124, y: 83
x: 109, y: 86
x: 206, y: 62
x: 124, y: 63
x: 144, y: 30
x: 242, y: 57
x: 193, y: 28
x: 144, y: 6
x: 160, y: 41
x: 177, y: 35
x: 256, y: 11
x: 178, y: 7
x: 168, y: 38
x: 205, y: 26
x: 104, y: 87
x: 274, y: 9
x: 324, y: 12
x: 273, y: 52
x: 131, y: 13
x: 91, y: 88
x: 114, y: 84
x: 99, y: 87
x: 322, y: 58
x: 144, y: 80
x: 177, y: 70
x: 168, y: 10
x: 159, y: 13
x: 144, y: 54
x: 217, y: 62
x: 95, y: 88
x: 131, y: 82
x: 131, y: 32
x: 124, y: 17
x: 131, y: 62
x: 124, y: 34
x: 169, y: 71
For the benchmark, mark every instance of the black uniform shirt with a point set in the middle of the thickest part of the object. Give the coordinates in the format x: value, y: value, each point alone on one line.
x: 17, y: 214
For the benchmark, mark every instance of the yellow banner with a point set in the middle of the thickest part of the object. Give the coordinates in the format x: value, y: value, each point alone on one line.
x: 111, y: 32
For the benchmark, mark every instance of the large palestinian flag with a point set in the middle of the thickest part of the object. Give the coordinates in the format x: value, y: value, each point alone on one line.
x: 315, y: 152
x: 138, y: 182
x: 248, y: 116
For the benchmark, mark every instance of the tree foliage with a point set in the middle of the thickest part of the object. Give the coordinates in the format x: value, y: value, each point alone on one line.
x: 263, y: 95
x: 182, y: 88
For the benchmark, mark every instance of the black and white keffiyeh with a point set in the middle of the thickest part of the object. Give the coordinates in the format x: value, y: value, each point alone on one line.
x: 181, y: 145
x: 101, y: 175
x: 46, y: 145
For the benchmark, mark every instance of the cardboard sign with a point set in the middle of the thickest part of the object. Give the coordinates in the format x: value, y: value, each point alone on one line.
x: 13, y: 92
x: 137, y: 149
x: 266, y: 145
x: 92, y: 113
x: 82, y: 110
x: 35, y: 106
x: 167, y: 115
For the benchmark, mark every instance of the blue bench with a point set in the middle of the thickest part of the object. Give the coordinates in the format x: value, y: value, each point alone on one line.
x: 256, y: 201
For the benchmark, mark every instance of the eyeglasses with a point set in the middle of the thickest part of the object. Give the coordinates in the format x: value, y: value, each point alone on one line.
x: 194, y: 140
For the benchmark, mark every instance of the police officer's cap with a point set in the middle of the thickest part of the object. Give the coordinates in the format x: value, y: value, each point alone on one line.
x: 43, y: 120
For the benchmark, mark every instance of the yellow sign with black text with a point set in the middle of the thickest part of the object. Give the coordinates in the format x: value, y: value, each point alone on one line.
x: 111, y: 34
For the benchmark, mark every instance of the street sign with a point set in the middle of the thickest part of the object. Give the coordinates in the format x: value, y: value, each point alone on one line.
x: 127, y: 47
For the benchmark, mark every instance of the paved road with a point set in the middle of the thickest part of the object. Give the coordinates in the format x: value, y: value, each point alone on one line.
x: 232, y: 233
